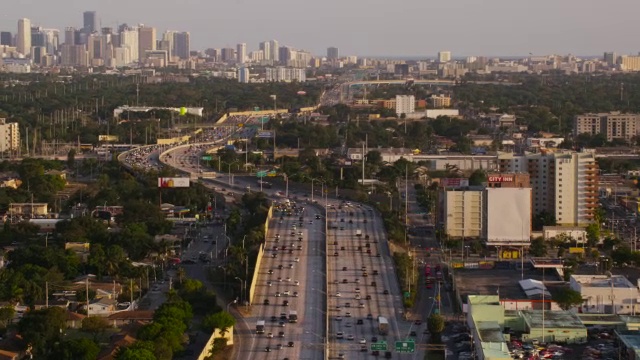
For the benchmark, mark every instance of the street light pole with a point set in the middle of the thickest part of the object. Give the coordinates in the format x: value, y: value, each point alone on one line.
x: 229, y: 304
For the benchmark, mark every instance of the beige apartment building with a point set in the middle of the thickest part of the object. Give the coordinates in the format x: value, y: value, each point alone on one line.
x: 9, y: 136
x: 462, y: 212
x: 440, y: 101
x: 564, y: 184
x: 614, y: 125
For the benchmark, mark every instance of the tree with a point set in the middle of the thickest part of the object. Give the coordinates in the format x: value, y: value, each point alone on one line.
x: 593, y: 234
x: 567, y: 298
x: 436, y: 324
x: 543, y: 218
x: 221, y: 320
x: 76, y: 349
x: 95, y: 325
x: 6, y: 315
x: 374, y: 157
x: 135, y: 354
x: 477, y: 177
x: 42, y: 329
x: 71, y: 158
x: 538, y: 247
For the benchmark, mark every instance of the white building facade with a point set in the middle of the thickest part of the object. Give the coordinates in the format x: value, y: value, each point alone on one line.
x: 605, y: 294
x: 405, y: 104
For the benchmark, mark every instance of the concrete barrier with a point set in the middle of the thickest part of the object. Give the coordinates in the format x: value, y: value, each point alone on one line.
x: 256, y: 270
x: 209, y: 345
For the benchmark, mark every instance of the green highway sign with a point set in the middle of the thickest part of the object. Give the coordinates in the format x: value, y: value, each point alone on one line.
x: 207, y: 158
x: 256, y: 108
x: 407, y: 346
x: 264, y: 119
x: 261, y: 174
x: 407, y: 294
x: 379, y: 346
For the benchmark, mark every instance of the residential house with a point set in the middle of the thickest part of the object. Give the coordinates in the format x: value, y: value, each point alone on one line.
x: 129, y: 317
x: 102, y: 306
x: 74, y: 320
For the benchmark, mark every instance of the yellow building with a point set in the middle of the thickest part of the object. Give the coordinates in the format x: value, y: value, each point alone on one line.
x: 440, y: 101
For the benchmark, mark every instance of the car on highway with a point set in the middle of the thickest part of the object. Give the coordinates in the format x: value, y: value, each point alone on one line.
x: 338, y: 294
x: 297, y: 283
x: 269, y: 283
x: 269, y: 335
x: 266, y: 302
x: 296, y: 259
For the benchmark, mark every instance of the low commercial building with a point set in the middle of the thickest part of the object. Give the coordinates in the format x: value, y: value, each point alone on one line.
x: 578, y: 234
x: 605, y: 294
x: 487, y: 320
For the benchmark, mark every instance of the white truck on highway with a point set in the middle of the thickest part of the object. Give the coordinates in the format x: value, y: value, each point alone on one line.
x: 358, y: 232
x: 260, y: 327
x: 383, y: 325
x: 293, y: 316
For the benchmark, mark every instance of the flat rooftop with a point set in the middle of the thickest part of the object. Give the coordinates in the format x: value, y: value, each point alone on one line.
x: 504, y: 282
x: 490, y: 332
x: 552, y: 319
x: 616, y: 281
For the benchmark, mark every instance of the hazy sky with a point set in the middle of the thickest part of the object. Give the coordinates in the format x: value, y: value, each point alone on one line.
x: 371, y: 27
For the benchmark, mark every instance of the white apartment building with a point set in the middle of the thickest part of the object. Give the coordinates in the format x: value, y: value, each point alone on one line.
x: 405, y: 104
x: 9, y: 136
x: 605, y: 294
x: 284, y: 74
x: 462, y: 213
x: 564, y: 184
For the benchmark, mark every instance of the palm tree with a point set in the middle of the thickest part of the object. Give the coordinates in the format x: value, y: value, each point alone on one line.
x: 181, y: 274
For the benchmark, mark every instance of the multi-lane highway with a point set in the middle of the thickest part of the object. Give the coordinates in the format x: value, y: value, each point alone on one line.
x: 357, y: 266
x: 290, y: 297
x: 363, y: 289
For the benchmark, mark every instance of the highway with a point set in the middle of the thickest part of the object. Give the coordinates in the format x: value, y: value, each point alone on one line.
x: 362, y: 284
x: 362, y: 299
x: 295, y: 275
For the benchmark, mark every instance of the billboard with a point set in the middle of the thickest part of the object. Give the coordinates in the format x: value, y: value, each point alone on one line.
x: 173, y: 182
x: 508, y: 215
x: 105, y: 138
x: 454, y: 182
x: 265, y: 134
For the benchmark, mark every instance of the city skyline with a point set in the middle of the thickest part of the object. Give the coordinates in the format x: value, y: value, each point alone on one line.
x: 499, y: 28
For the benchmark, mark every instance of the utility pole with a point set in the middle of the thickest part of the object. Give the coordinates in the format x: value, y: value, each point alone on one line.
x: 86, y: 291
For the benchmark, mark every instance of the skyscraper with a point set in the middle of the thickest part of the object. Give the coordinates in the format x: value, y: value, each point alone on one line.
x: 129, y: 40
x: 6, y: 38
x: 284, y: 55
x: 90, y: 23
x: 266, y: 48
x: 182, y: 45
x: 243, y: 75
x: 146, y: 41
x: 23, y: 42
x: 70, y: 36
x: 333, y: 53
x: 168, y: 42
x: 444, y: 56
x: 275, y: 56
x: 241, y: 53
